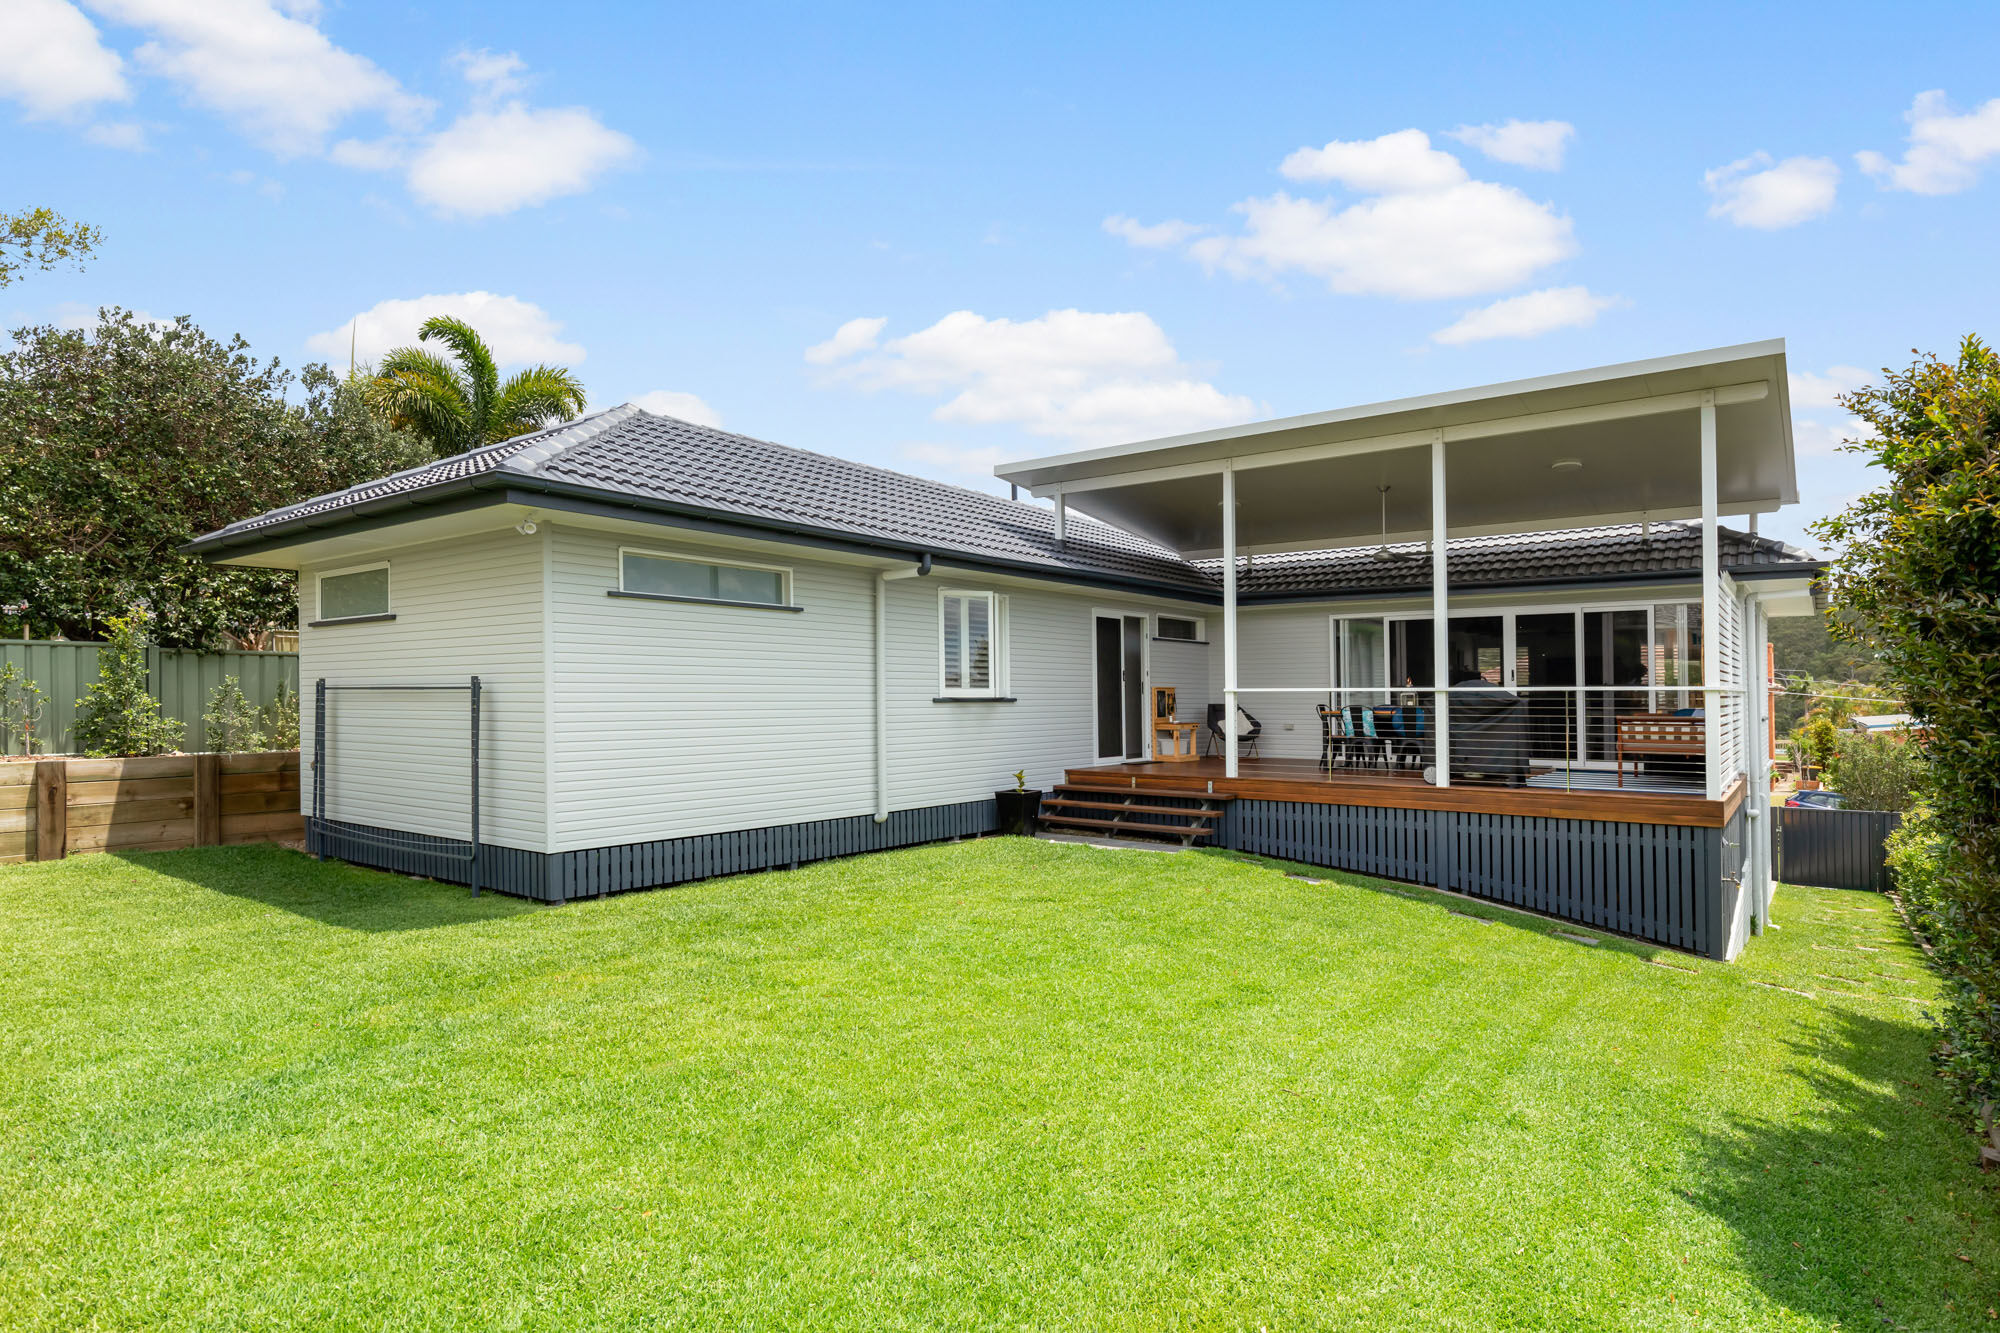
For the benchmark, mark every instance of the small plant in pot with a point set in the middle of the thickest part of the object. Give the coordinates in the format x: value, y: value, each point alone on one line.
x: 1019, y: 806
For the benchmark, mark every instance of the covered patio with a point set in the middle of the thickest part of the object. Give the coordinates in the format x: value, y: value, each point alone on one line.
x: 1638, y: 712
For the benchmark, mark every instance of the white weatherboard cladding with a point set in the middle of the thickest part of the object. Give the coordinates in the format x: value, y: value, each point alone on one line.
x: 1186, y: 667
x: 674, y: 719
x: 400, y: 760
x: 1284, y: 647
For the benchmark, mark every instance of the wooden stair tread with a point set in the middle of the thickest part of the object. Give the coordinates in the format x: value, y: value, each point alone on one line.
x: 1132, y: 826
x: 1131, y: 809
x: 1177, y: 793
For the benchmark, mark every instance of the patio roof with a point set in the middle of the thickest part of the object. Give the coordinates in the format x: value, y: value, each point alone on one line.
x: 1614, y: 444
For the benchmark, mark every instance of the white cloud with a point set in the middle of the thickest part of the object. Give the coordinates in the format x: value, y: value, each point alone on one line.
x: 1392, y: 164
x: 118, y: 134
x: 1822, y: 391
x: 1528, y: 315
x: 1946, y: 151
x: 686, y: 406
x: 856, y: 335
x: 957, y: 460
x: 1151, y: 236
x: 77, y: 315
x: 1428, y: 231
x: 495, y: 161
x: 1755, y: 192
x: 519, y: 332
x: 1536, y: 144
x: 492, y: 73
x: 52, y: 62
x: 1077, y: 375
x: 1813, y: 438
x: 1463, y: 240
x: 279, y: 78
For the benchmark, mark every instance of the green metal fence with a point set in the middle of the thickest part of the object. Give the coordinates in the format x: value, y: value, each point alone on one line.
x: 179, y: 680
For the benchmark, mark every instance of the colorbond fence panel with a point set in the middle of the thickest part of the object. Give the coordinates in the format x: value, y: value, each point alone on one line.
x: 179, y: 680
x: 1834, y: 849
x: 50, y: 808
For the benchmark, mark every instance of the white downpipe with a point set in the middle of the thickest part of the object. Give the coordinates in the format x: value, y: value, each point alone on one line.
x: 882, y: 581
x: 1440, y: 615
x: 1229, y: 618
x: 1758, y: 760
x: 1711, y: 602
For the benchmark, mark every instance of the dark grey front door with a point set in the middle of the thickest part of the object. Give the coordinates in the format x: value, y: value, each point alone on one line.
x: 1121, y: 686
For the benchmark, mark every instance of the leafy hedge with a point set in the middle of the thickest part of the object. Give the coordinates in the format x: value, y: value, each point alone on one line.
x: 1919, y: 575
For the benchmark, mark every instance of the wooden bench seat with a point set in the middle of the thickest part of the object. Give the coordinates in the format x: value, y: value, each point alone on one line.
x: 1642, y: 734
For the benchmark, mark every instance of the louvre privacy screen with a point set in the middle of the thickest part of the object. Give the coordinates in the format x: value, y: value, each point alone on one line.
x: 1834, y: 849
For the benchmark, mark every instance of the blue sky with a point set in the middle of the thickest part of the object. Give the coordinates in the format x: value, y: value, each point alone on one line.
x: 1031, y: 227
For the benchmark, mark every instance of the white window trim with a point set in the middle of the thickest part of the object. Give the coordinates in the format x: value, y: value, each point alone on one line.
x: 1200, y: 624
x: 784, y: 573
x: 319, y: 594
x: 996, y: 620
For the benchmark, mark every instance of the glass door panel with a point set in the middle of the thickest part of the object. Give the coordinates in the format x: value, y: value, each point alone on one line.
x: 1363, y: 661
x: 1614, y: 653
x: 1545, y: 655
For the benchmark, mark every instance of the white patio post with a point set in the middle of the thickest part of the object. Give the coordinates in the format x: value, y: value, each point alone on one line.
x: 1440, y: 616
x: 1756, y: 762
x: 1711, y: 602
x: 1229, y: 618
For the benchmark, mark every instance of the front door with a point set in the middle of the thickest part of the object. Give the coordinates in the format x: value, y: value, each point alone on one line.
x: 1121, y: 686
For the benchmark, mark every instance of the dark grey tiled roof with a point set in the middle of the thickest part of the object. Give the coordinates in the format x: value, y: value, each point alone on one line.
x: 627, y: 453
x: 1580, y: 555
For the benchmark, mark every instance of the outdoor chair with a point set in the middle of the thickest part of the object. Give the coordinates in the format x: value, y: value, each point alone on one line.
x: 1411, y: 728
x: 1361, y: 733
x: 1217, y: 738
x: 1331, y: 737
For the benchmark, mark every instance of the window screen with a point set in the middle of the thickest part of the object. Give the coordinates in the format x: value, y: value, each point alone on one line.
x: 668, y: 577
x: 362, y: 592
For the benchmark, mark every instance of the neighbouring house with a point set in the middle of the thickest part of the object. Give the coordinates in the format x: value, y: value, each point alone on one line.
x: 1900, y: 726
x: 1495, y: 640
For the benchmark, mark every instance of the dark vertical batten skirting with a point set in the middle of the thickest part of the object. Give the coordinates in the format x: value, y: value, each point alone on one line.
x: 1659, y: 882
x: 555, y: 877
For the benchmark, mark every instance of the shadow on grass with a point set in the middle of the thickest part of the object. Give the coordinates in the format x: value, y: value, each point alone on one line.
x: 330, y: 892
x: 1858, y: 1209
x: 1464, y: 905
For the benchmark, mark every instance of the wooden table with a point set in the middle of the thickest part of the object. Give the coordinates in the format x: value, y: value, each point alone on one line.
x: 1173, y: 742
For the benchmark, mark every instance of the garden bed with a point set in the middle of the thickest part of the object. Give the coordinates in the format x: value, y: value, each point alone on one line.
x: 51, y: 806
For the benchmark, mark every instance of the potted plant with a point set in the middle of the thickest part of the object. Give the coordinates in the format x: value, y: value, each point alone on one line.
x: 1018, y: 806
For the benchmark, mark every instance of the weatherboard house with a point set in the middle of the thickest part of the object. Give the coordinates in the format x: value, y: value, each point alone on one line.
x: 1494, y: 640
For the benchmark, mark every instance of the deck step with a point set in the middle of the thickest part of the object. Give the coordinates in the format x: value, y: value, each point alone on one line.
x: 1070, y: 803
x: 1186, y: 832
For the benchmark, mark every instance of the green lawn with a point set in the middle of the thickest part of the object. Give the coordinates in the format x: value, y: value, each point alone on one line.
x: 999, y: 1083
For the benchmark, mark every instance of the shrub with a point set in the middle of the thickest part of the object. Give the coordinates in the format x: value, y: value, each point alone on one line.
x: 21, y: 707
x: 118, y: 716
x: 1814, y: 742
x: 1919, y: 572
x: 232, y: 722
x: 282, y: 729
x: 1876, y: 772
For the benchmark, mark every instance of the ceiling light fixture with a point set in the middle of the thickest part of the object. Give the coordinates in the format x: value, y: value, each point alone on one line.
x: 1566, y: 465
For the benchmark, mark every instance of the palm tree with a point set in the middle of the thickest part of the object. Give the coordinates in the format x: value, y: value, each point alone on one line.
x: 459, y: 403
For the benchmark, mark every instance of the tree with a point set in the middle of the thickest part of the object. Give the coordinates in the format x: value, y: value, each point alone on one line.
x: 1872, y: 771
x: 1807, y: 653
x: 459, y: 404
x: 42, y: 238
x: 1918, y: 571
x: 119, y: 444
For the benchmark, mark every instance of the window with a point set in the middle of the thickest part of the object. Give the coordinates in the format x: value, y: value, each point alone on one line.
x: 642, y: 574
x: 354, y: 594
x: 1184, y: 628
x: 971, y: 644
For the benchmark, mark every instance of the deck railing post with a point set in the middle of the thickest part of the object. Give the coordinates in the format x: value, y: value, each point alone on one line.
x: 1229, y: 618
x: 1440, y: 615
x: 1711, y: 603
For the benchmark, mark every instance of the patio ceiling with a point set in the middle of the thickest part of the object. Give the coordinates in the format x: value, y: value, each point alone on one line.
x: 1628, y: 436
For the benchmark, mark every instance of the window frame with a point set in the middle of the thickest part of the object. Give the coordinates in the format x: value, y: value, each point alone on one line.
x: 996, y: 629
x: 1200, y: 624
x: 784, y: 573
x: 388, y: 611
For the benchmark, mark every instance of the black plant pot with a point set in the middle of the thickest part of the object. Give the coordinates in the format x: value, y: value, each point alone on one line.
x: 1018, y: 810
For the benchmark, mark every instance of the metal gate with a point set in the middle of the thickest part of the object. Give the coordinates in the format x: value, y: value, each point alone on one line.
x: 1833, y: 849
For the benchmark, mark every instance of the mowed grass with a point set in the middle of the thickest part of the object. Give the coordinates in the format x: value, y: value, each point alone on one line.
x: 998, y: 1083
